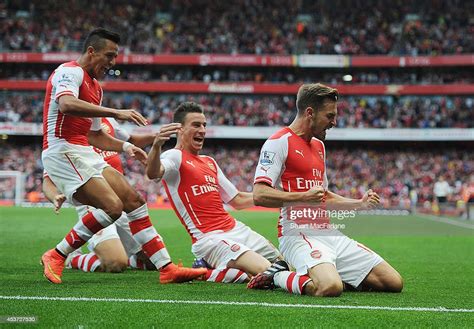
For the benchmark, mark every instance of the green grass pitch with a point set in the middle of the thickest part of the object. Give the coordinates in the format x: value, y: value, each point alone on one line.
x: 435, y: 260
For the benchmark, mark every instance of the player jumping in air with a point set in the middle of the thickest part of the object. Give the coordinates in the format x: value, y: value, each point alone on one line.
x: 71, y: 120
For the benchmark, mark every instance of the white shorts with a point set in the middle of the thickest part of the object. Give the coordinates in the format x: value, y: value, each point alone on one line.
x: 70, y: 166
x: 218, y: 249
x: 118, y: 230
x: 353, y: 261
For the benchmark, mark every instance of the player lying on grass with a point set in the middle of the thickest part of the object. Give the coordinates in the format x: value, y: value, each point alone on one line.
x: 291, y: 174
x: 71, y: 119
x: 198, y: 189
x: 113, y: 248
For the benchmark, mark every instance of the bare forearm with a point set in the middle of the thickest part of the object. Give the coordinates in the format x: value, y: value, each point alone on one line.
x: 50, y: 190
x: 266, y: 196
x: 336, y: 201
x: 71, y: 105
x: 242, y: 200
x: 104, y: 141
x: 153, y: 167
x: 143, y: 140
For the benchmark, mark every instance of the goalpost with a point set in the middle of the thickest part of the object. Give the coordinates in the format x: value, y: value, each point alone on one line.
x: 12, y: 187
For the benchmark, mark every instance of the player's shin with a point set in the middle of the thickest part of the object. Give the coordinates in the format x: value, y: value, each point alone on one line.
x: 291, y: 282
x: 228, y: 275
x: 146, y: 235
x: 84, y: 229
x: 87, y: 263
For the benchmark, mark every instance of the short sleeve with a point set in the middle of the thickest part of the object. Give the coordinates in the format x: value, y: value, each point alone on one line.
x: 96, y: 124
x: 120, y: 133
x: 171, y: 161
x: 67, y: 81
x: 227, y: 190
x: 270, y: 164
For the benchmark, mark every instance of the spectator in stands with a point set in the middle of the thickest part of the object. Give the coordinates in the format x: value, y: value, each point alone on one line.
x: 441, y: 191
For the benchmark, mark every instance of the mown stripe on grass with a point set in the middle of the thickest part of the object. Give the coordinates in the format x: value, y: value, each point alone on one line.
x: 446, y: 221
x: 211, y: 302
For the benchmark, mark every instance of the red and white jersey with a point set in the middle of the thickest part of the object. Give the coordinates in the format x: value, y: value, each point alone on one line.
x: 111, y: 127
x: 58, y: 128
x: 198, y: 189
x: 291, y: 164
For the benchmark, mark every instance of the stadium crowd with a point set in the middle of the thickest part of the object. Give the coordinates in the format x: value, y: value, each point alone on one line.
x: 255, y: 75
x: 239, y: 110
x: 272, y: 27
x: 399, y: 177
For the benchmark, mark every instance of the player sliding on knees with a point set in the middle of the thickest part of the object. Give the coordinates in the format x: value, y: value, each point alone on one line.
x: 291, y: 174
x: 198, y: 189
x: 71, y: 119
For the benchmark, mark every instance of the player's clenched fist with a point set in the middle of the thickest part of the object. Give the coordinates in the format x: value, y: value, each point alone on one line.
x: 131, y: 116
x: 165, y: 133
x: 370, y: 200
x: 315, y: 194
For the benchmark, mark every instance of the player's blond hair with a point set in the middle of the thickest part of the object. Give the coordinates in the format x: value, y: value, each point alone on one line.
x: 314, y: 95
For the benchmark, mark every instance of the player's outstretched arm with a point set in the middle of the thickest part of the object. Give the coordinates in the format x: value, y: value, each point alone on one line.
x: 52, y: 193
x: 71, y: 105
x: 142, y: 140
x: 242, y: 200
x: 266, y: 196
x: 154, y: 168
x: 370, y: 200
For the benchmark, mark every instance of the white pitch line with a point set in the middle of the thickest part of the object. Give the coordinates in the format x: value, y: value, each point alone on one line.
x: 446, y: 221
x: 208, y: 302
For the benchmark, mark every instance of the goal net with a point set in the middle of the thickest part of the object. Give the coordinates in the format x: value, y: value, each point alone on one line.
x: 12, y: 187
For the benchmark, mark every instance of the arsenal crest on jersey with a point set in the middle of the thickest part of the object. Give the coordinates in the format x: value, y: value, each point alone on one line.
x: 316, y: 254
x: 211, y: 165
x: 235, y: 247
x: 105, y: 127
x: 321, y: 155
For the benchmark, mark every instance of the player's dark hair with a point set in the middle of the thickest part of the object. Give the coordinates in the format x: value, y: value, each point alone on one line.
x: 185, y: 108
x: 314, y: 95
x: 96, y: 38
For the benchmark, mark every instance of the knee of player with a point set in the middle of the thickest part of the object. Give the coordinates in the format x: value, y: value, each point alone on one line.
x: 134, y: 200
x: 395, y: 284
x: 330, y: 289
x: 114, y: 208
x: 115, y: 265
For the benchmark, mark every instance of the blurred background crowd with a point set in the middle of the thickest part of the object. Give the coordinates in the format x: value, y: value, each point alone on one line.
x: 248, y: 110
x: 403, y: 178
x: 404, y: 174
x: 271, y: 26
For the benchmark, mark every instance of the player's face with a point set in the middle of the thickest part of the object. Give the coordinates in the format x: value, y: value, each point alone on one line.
x: 193, y: 132
x: 323, y: 119
x: 103, y: 60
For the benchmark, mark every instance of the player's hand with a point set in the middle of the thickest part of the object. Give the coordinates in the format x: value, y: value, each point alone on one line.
x: 370, y: 200
x: 165, y: 133
x: 131, y: 116
x: 137, y: 153
x: 315, y: 194
x: 58, y: 202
